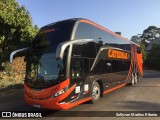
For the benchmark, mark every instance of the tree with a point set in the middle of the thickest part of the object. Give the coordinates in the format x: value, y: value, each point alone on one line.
x: 16, y: 29
x: 136, y: 39
x: 148, y: 35
x: 153, y: 58
x: 143, y: 51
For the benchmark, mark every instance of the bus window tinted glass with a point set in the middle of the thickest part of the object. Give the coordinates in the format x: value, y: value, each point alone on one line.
x: 50, y: 36
x: 84, y: 31
x: 99, y: 68
x: 84, y: 50
x: 108, y: 66
x: 76, y: 67
x: 103, y: 37
x: 115, y: 65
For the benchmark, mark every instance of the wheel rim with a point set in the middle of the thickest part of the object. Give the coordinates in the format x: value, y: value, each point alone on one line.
x: 96, y: 92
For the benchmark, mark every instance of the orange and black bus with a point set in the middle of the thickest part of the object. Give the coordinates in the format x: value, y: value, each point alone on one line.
x: 77, y: 60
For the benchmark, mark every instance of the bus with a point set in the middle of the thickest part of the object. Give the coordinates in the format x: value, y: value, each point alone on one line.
x: 76, y: 60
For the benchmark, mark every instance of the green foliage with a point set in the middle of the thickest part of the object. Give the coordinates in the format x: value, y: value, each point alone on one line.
x: 16, y: 29
x: 143, y: 51
x: 149, y: 34
x: 153, y: 58
x: 150, y: 28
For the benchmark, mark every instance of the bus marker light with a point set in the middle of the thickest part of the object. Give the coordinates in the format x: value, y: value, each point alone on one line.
x: 59, y: 93
x: 63, y: 103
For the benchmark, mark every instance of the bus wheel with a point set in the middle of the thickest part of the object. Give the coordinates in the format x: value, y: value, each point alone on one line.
x: 132, y: 79
x: 135, y: 78
x: 95, y: 92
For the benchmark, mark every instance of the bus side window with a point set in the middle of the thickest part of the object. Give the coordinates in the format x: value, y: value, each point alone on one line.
x: 123, y: 65
x: 99, y: 67
x: 115, y: 66
x: 108, y: 66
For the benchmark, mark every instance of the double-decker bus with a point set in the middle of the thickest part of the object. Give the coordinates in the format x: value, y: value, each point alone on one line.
x: 76, y: 60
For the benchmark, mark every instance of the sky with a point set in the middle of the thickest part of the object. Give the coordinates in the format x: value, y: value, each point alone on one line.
x: 130, y: 17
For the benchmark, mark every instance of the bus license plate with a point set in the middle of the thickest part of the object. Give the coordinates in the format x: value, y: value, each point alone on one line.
x: 36, y: 105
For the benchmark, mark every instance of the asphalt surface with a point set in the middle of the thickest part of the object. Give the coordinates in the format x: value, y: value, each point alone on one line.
x: 144, y: 96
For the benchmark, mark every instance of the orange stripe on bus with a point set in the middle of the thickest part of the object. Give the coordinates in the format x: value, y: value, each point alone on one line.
x: 107, y: 91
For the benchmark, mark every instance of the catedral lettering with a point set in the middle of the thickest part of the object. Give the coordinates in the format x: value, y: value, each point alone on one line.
x: 66, y: 64
x: 117, y: 54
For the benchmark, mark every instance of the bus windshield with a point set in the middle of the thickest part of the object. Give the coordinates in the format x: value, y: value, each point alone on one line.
x: 43, y: 69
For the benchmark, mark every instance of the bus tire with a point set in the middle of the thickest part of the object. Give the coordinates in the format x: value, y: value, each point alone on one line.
x: 96, y: 92
x: 132, y: 79
x: 135, y: 78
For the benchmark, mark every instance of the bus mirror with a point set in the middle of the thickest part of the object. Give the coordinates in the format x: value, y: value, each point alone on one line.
x: 62, y: 46
x: 14, y: 52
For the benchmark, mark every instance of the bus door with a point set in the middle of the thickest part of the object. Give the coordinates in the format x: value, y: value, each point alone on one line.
x: 77, y: 75
x: 76, y: 69
x: 79, y: 72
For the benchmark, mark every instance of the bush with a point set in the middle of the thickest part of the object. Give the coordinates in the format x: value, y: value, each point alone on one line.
x: 12, y: 73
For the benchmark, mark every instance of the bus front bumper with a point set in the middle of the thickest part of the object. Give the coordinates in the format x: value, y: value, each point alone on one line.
x: 50, y: 103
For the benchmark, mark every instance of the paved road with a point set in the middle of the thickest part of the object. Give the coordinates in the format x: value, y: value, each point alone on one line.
x: 145, y: 96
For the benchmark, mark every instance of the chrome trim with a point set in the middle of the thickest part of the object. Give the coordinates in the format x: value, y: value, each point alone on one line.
x: 16, y: 51
x: 100, y: 50
x: 62, y: 46
x: 70, y: 50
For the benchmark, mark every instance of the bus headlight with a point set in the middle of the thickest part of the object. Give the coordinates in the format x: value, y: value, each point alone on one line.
x: 60, y: 92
